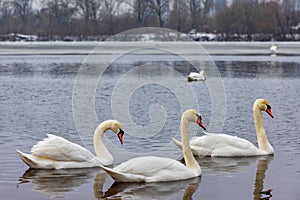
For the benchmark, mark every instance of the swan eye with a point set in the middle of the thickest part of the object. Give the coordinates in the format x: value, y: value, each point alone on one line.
x: 268, y: 107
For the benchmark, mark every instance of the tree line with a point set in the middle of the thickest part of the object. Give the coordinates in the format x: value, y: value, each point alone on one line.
x: 57, y: 19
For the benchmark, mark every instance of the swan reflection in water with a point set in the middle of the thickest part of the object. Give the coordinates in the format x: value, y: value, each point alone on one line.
x: 231, y: 165
x: 156, y: 190
x: 259, y: 192
x: 57, y: 183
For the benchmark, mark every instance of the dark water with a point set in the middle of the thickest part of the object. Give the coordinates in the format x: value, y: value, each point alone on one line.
x: 36, y: 99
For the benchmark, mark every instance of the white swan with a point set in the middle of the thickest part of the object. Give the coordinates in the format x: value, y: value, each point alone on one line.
x: 56, y: 152
x: 273, y: 48
x: 159, y: 169
x: 194, y: 76
x: 232, y: 146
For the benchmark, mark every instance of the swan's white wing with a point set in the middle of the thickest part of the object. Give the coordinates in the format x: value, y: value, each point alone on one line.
x: 273, y: 48
x: 194, y: 75
x: 151, y: 169
x: 224, y: 145
x: 147, y: 165
x: 59, y: 149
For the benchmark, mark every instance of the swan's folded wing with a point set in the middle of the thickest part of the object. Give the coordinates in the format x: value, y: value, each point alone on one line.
x: 228, y: 145
x: 194, y: 75
x: 59, y: 149
x: 235, y: 142
x: 146, y: 165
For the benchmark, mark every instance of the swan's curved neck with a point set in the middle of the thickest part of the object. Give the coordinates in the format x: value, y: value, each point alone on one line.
x: 262, y: 140
x: 99, y: 146
x: 190, y: 161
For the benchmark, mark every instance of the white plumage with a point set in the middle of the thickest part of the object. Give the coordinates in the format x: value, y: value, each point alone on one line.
x: 194, y: 76
x: 273, y: 48
x: 159, y: 169
x: 232, y: 146
x: 222, y: 145
x: 55, y: 152
x: 151, y: 169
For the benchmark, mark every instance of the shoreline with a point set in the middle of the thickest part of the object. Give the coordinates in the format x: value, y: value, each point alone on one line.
x: 148, y: 47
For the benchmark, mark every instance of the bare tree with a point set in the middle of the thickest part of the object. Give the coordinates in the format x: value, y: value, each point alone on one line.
x: 61, y: 12
x: 241, y: 20
x: 177, y: 18
x: 206, y: 8
x: 160, y: 8
x: 224, y: 19
x: 89, y: 10
x: 266, y: 19
x: 6, y: 20
x: 22, y: 8
x: 198, y: 12
x: 194, y: 7
x: 248, y: 17
x: 139, y: 8
x: 109, y: 10
x: 285, y: 17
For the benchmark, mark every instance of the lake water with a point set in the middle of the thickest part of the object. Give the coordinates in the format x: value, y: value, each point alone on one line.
x: 39, y: 96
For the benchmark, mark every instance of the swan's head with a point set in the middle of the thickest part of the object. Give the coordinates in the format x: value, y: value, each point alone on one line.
x: 202, y: 72
x: 118, y: 129
x: 193, y: 116
x: 264, y: 105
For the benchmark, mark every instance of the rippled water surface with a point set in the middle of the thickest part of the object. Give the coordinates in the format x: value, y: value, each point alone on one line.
x: 36, y: 99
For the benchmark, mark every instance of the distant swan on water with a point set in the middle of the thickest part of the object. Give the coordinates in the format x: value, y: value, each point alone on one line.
x: 273, y: 49
x: 194, y: 76
x: 55, y: 152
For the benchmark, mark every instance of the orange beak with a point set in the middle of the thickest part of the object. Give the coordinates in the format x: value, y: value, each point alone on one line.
x: 199, y: 122
x: 120, y: 136
x: 269, y: 111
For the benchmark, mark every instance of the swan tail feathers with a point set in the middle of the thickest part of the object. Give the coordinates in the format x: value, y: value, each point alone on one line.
x: 26, y: 159
x: 190, y: 79
x: 178, y: 143
x: 45, y: 143
x: 123, y: 177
